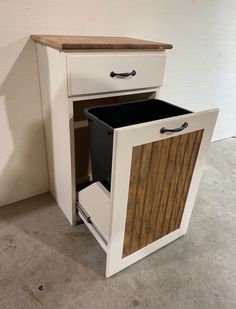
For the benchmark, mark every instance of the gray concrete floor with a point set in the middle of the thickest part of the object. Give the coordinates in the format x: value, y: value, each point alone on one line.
x: 39, y: 248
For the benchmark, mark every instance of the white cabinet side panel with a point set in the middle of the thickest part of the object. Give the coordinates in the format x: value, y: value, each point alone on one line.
x: 52, y: 68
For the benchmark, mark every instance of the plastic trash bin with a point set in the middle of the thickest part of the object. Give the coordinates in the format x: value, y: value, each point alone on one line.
x: 104, y: 119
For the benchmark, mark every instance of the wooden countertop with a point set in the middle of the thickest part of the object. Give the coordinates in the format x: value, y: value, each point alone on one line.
x: 67, y: 42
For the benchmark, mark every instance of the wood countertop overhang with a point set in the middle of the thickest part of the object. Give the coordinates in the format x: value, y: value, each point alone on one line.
x: 71, y: 42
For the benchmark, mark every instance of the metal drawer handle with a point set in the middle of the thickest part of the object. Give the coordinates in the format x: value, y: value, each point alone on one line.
x: 184, y: 126
x: 132, y: 73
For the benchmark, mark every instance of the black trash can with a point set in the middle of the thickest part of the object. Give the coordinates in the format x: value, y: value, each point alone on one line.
x: 104, y: 119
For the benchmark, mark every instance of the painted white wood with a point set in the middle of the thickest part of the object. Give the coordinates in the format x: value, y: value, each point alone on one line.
x: 95, y: 200
x: 58, y: 123
x: 89, y: 73
x: 152, y: 92
x: 72, y: 163
x: 124, y: 140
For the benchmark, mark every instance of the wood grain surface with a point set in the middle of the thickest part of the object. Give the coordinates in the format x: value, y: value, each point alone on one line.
x: 67, y: 42
x: 161, y: 173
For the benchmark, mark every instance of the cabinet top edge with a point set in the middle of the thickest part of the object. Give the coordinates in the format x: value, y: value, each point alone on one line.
x: 73, y: 42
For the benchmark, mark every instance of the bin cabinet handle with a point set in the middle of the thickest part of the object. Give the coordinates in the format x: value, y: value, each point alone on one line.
x: 132, y: 73
x: 184, y: 126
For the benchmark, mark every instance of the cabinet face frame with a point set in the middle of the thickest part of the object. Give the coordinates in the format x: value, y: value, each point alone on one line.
x: 124, y: 140
x: 57, y: 106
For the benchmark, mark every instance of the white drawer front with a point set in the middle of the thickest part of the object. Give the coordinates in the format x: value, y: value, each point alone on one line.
x: 89, y: 73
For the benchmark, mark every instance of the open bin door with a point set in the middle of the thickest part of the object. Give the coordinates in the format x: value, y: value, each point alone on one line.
x: 155, y: 177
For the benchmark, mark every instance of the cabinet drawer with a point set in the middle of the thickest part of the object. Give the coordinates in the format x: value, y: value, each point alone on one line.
x: 158, y: 154
x: 90, y: 73
x: 155, y: 177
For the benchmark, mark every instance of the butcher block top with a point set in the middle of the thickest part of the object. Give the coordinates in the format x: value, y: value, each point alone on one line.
x: 72, y: 42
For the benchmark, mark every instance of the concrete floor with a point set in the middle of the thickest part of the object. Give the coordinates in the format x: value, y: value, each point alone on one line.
x: 39, y: 248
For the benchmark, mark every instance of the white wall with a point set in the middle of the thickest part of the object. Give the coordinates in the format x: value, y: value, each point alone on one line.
x: 201, y: 69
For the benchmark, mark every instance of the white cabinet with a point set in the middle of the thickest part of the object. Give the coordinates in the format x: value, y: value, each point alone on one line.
x: 155, y: 174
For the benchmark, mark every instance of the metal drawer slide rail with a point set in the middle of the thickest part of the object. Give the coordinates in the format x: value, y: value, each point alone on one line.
x: 88, y: 219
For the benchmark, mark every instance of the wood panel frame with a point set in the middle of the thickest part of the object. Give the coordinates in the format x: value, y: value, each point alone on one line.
x: 124, y: 140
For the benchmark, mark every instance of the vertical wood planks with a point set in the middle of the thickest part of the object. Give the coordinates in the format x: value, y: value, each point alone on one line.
x: 161, y: 173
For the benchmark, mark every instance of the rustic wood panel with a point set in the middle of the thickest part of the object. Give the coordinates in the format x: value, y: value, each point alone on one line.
x: 72, y: 42
x: 161, y: 173
x: 190, y: 164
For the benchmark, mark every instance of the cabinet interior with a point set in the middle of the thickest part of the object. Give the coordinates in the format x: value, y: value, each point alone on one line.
x: 81, y: 130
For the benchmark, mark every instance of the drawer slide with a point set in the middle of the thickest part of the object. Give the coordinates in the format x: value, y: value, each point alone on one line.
x: 85, y: 217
